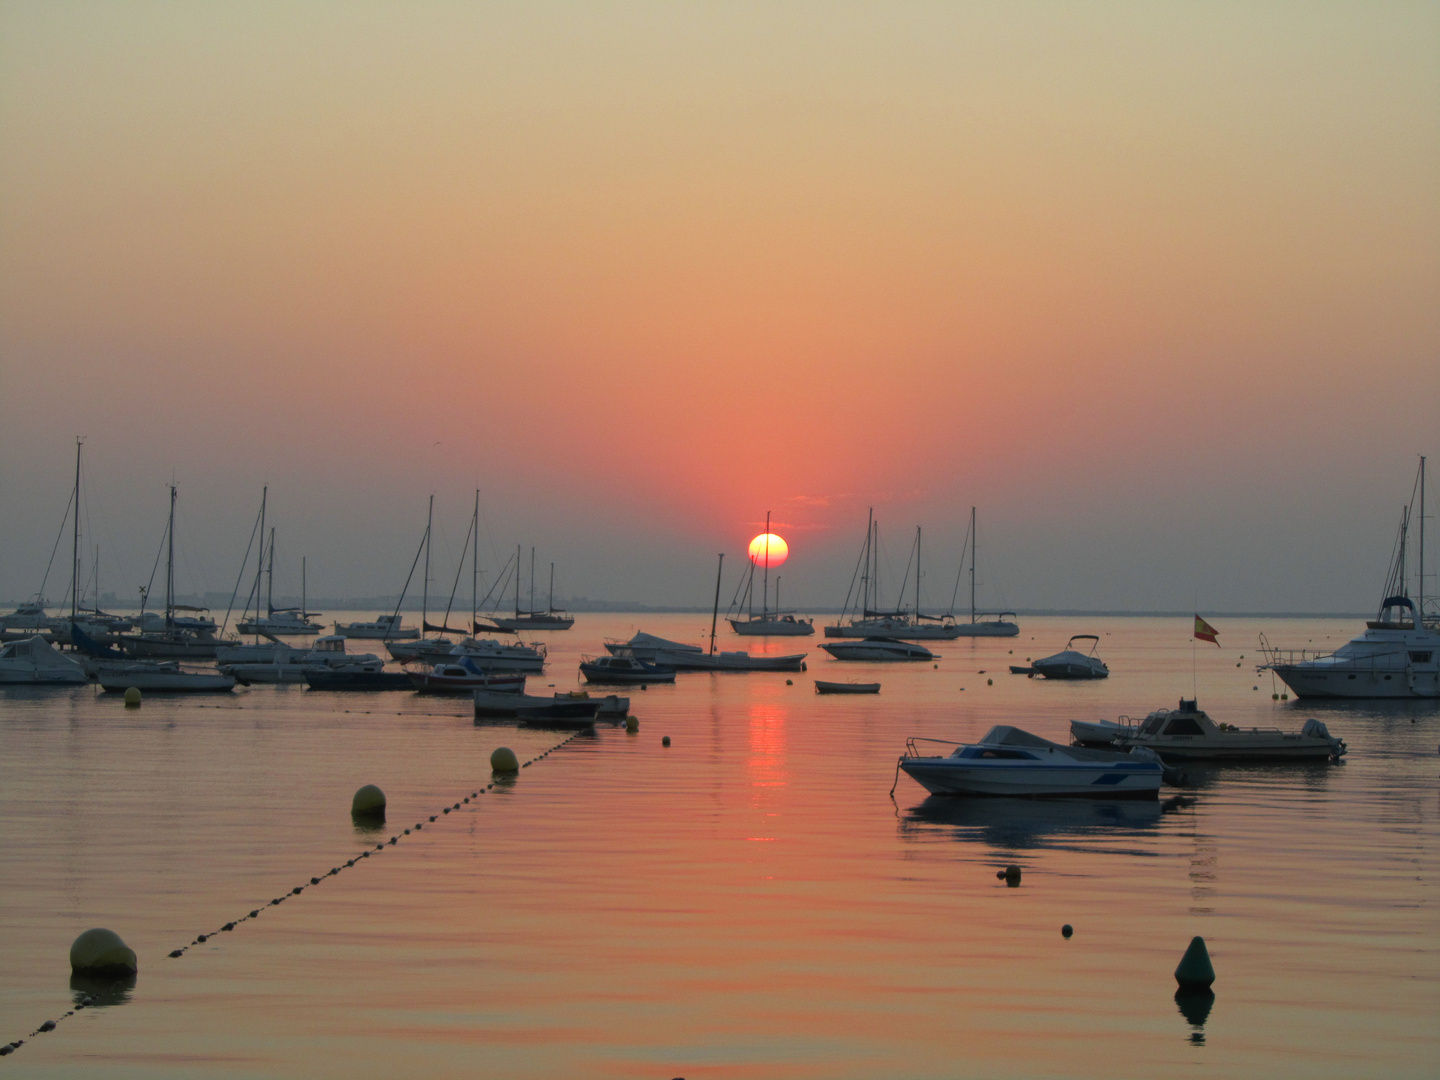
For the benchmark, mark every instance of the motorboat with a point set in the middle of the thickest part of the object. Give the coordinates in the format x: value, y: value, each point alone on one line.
x: 368, y: 675
x: 491, y: 704
x: 463, y: 678
x: 1069, y: 663
x: 645, y: 647
x: 1396, y: 656
x: 489, y: 655
x: 286, y: 664
x: 623, y: 669
x: 878, y: 648
x: 383, y: 627
x: 1188, y: 734
x: 822, y: 687
x: 34, y: 661
x: 161, y: 678
x: 1009, y: 761
x: 282, y: 622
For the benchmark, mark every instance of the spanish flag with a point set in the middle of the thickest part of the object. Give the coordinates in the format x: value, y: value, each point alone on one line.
x: 1205, y: 632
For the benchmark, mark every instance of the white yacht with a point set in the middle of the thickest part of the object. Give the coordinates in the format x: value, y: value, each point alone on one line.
x: 282, y: 622
x: 1397, y: 656
x: 899, y: 624
x: 29, y: 619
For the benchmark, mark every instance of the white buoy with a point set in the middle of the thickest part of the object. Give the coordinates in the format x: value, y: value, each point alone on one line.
x: 503, y: 760
x: 101, y: 951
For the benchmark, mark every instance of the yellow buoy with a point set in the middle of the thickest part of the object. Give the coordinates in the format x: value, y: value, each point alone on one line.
x: 369, y: 801
x: 101, y: 951
x: 132, y: 696
x: 632, y: 724
x: 665, y: 741
x: 503, y: 760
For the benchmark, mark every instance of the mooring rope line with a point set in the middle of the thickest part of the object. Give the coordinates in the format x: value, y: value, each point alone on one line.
x: 50, y: 1025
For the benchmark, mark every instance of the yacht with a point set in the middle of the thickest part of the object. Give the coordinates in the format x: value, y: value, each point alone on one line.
x: 1396, y: 656
x: 899, y: 624
x: 28, y: 620
x: 768, y: 623
x: 1009, y: 761
x: 281, y: 622
x: 551, y: 619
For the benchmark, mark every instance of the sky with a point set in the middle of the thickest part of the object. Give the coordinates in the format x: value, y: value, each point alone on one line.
x: 1152, y: 285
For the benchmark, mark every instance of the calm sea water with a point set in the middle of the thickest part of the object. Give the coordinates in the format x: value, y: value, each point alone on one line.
x: 749, y: 902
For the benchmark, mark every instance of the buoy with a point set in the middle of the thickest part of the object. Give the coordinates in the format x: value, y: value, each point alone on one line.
x: 1274, y: 697
x: 644, y: 687
x: 1066, y: 930
x: 665, y: 741
x: 936, y: 666
x: 132, y: 696
x: 369, y: 801
x: 1284, y: 697
x: 101, y: 952
x: 989, y: 682
x: 632, y: 724
x: 503, y: 760
x: 1012, y: 875
x: 789, y: 682
x: 1195, y: 971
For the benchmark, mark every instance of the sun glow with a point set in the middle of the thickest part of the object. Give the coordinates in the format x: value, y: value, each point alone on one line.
x: 768, y: 551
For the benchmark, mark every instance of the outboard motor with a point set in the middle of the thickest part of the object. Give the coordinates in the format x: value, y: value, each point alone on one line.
x: 1315, y: 729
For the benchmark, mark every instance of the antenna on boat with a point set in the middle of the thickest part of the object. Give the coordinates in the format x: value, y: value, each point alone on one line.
x: 715, y: 612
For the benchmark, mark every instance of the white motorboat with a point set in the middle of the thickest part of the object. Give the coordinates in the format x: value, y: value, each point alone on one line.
x: 463, y: 678
x: 1397, y: 656
x: 623, y: 669
x: 878, y: 648
x: 34, y: 661
x: 1009, y: 761
x: 645, y: 647
x: 488, y: 655
x: 161, y: 678
x: 1069, y: 663
x: 383, y: 627
x: 1188, y: 734
x: 285, y: 664
x: 1103, y: 733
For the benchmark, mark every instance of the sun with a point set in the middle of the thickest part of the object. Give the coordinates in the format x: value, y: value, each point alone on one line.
x: 768, y: 551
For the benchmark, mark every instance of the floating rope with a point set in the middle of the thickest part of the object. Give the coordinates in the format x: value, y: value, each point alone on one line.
x: 200, y: 939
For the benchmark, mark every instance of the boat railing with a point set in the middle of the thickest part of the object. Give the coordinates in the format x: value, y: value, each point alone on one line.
x: 912, y: 751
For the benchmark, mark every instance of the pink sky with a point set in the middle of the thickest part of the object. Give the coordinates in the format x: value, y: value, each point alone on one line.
x: 1154, y: 286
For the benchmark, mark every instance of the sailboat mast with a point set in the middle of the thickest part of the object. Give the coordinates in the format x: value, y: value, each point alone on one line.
x: 552, y: 588
x: 260, y: 559
x: 917, y: 573
x: 475, y: 563
x: 270, y: 577
x: 75, y: 554
x: 304, y: 615
x: 170, y: 565
x: 425, y: 585
x: 765, y: 579
x: 972, y: 565
x: 1420, y: 610
x: 865, y: 576
x: 715, y: 612
x: 517, y: 581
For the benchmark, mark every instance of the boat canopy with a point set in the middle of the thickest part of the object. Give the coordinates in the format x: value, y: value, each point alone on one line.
x: 1005, y: 735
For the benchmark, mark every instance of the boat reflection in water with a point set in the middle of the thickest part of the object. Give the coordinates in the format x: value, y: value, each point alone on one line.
x: 1021, y: 824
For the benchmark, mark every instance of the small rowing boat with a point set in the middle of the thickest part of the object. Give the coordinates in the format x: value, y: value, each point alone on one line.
x: 822, y: 687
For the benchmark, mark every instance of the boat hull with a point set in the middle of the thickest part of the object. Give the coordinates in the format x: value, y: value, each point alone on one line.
x: 539, y: 622
x: 955, y: 776
x: 166, y: 682
x: 876, y: 651
x: 359, y: 680
x: 729, y: 661
x: 988, y: 629
x: 899, y: 631
x: 822, y: 687
x: 1068, y: 670
x: 1368, y: 683
x: 771, y: 628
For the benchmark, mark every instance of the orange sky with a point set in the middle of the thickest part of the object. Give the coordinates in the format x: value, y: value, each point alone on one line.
x: 1156, y: 286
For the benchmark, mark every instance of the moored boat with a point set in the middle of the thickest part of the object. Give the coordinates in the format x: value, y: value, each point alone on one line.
x: 490, y: 704
x: 823, y: 687
x: 463, y: 678
x: 34, y: 661
x: 1070, y: 663
x: 382, y: 627
x: 878, y: 648
x: 161, y: 678
x: 1188, y: 734
x: 1396, y: 656
x: 1007, y: 760
x: 623, y: 669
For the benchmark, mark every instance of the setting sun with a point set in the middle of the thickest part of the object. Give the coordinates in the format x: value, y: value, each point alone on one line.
x: 768, y: 550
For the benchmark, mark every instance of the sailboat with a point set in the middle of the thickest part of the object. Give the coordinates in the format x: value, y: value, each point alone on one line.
x: 775, y: 623
x: 984, y: 624
x: 868, y: 622
x: 172, y: 636
x: 282, y: 622
x: 552, y: 618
